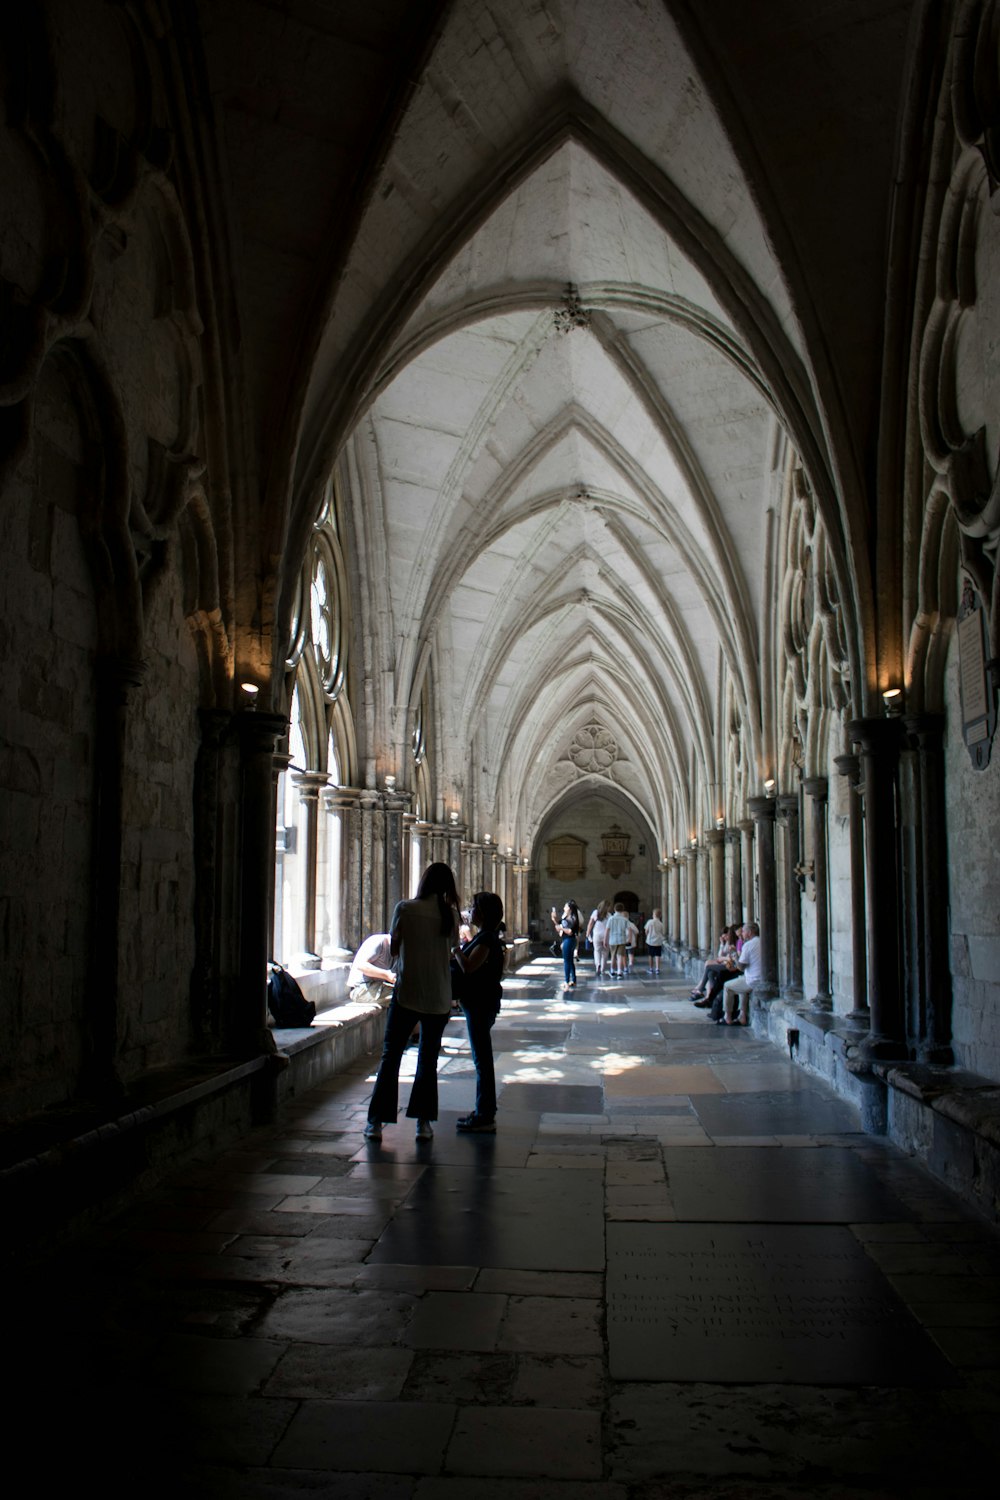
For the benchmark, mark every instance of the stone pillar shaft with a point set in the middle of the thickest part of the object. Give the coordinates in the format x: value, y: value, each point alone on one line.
x: 762, y: 810
x: 850, y: 768
x: 879, y: 742
x: 788, y: 812
x: 818, y: 789
x: 747, y: 829
x: 716, y: 838
x: 690, y: 857
x: 259, y: 734
x: 734, y: 846
x: 927, y: 733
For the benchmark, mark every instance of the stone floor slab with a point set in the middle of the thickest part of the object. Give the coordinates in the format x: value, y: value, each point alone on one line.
x: 527, y: 1442
x: 791, y: 1303
x: 394, y: 1437
x: 759, y: 1185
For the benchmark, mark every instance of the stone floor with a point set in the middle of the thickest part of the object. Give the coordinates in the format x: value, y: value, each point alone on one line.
x: 678, y: 1270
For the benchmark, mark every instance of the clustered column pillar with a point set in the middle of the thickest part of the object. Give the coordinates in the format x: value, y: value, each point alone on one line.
x: 734, y: 842
x: 927, y: 731
x: 817, y: 788
x: 717, y: 870
x: 746, y: 828
x: 762, y: 810
x: 788, y: 812
x: 690, y: 857
x: 850, y: 768
x: 674, y: 907
x: 879, y: 741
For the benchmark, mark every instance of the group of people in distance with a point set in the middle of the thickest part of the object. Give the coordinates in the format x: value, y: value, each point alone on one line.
x: 615, y: 938
x: 421, y: 966
x: 728, y: 978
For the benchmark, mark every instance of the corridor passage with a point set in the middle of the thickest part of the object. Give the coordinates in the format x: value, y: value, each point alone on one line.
x: 678, y: 1270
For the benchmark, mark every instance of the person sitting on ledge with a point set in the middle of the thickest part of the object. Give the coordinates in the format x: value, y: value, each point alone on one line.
x: 737, y: 991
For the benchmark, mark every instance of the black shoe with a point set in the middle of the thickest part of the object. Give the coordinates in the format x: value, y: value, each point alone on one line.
x: 476, y: 1125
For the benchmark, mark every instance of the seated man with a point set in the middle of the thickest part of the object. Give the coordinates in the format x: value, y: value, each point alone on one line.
x: 737, y: 991
x: 372, y: 975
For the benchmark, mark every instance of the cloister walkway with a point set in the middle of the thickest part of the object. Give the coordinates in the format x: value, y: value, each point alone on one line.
x: 678, y: 1270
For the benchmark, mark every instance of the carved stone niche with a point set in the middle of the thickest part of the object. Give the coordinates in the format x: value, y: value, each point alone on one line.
x: 616, y: 856
x: 566, y: 857
x: 978, y: 694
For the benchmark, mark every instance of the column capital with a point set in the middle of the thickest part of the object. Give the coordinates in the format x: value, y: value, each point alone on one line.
x: 788, y: 805
x: 715, y: 835
x: 734, y: 835
x: 817, y: 787
x: 876, y: 736
x: 309, y: 784
x: 926, y: 729
x: 747, y: 826
x: 259, y: 733
x: 849, y: 766
x: 762, y: 809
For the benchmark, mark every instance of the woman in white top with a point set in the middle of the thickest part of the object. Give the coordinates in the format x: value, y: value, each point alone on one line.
x: 423, y: 933
x: 655, y: 936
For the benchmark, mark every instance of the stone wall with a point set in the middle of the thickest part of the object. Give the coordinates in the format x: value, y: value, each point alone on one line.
x: 588, y: 819
x: 973, y: 807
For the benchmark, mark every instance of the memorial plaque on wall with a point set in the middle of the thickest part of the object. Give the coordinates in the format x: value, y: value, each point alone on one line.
x: 788, y: 1303
x: 979, y: 717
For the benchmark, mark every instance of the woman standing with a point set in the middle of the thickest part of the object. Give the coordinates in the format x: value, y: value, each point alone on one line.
x: 481, y: 963
x: 422, y: 936
x: 567, y: 928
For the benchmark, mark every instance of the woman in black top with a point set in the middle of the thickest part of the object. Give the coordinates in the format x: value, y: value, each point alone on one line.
x: 481, y: 964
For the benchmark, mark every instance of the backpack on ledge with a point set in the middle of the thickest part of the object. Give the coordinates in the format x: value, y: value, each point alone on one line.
x: 285, y: 1000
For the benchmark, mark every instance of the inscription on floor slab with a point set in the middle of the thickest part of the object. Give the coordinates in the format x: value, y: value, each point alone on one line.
x: 758, y: 1303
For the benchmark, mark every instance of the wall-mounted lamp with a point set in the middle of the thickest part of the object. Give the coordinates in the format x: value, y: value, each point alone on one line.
x: 453, y: 819
x: 487, y: 838
x: 250, y: 690
x: 720, y: 822
x: 510, y: 850
x: 770, y: 786
x: 677, y: 854
x: 694, y: 841
x: 892, y: 701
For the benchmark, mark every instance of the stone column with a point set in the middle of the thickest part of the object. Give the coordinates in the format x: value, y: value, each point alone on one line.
x: 927, y: 733
x: 817, y: 787
x: 673, y: 912
x: 394, y: 808
x: 716, y: 839
x: 308, y: 784
x: 850, y: 767
x: 664, y: 871
x: 879, y: 742
x: 246, y: 1028
x: 734, y: 842
x: 762, y: 810
x: 455, y: 838
x: 746, y: 828
x: 788, y: 812
x: 690, y: 857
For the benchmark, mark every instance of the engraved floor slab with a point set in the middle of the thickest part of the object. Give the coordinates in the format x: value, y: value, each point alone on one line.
x: 799, y: 1304
x: 751, y: 1184
x: 795, y: 1112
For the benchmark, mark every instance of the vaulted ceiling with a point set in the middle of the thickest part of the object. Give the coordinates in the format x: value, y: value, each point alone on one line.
x: 574, y: 275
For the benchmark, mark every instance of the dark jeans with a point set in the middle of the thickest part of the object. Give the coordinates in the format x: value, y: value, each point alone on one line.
x: 479, y: 1020
x: 718, y: 978
x: 399, y: 1023
x: 569, y: 953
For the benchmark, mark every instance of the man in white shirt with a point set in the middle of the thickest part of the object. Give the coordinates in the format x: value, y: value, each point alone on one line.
x: 372, y: 973
x: 737, y: 991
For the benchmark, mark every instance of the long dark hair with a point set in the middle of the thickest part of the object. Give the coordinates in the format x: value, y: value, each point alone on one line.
x: 438, y: 880
x: 574, y: 916
x: 490, y: 908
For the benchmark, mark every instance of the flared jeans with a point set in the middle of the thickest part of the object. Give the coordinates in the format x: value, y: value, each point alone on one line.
x: 399, y: 1025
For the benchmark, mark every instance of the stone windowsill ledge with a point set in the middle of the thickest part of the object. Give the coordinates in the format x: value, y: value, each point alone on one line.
x: 965, y: 1098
